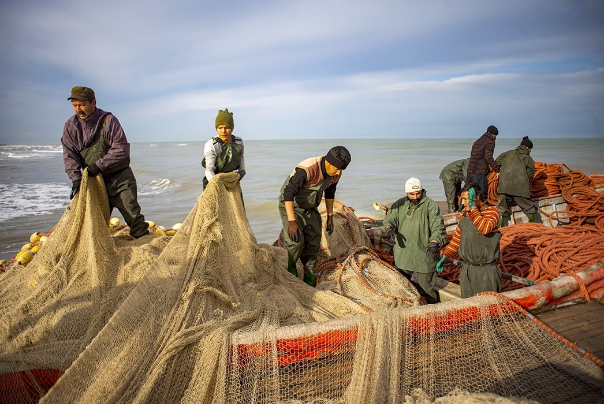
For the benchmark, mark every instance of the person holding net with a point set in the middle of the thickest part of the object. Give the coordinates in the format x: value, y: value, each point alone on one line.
x: 300, y: 196
x: 420, y: 231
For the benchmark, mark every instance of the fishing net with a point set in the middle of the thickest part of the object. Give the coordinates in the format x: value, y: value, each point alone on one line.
x: 210, y: 315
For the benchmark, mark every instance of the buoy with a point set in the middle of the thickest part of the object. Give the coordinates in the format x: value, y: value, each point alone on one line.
x: 34, y: 237
x: 114, y: 221
x: 2, y: 262
x: 43, y: 239
x: 151, y: 223
x: 24, y: 258
x: 36, y: 248
x: 26, y: 247
x: 177, y: 226
x: 170, y: 232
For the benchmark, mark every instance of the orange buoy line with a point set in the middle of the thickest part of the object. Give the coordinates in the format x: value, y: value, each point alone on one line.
x: 539, y: 253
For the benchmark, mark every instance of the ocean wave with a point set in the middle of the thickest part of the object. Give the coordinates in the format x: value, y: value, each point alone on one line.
x: 157, y: 186
x: 30, y: 152
x: 22, y: 200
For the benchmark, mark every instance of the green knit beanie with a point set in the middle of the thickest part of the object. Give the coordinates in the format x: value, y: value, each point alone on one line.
x: 225, y: 118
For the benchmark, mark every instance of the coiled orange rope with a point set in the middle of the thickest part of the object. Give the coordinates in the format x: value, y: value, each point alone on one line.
x: 549, y: 179
x: 539, y: 253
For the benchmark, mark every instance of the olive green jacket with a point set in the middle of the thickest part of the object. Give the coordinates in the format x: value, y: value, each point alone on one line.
x: 517, y: 169
x: 415, y: 226
x: 456, y: 171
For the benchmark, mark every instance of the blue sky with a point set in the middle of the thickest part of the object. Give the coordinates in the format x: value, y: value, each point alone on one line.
x: 305, y: 69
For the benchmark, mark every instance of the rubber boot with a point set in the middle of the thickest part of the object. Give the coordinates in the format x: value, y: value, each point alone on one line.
x: 531, y: 218
x: 310, y: 279
x: 291, y: 267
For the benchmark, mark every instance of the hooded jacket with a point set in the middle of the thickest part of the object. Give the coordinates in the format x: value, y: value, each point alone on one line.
x: 517, y: 169
x: 415, y: 226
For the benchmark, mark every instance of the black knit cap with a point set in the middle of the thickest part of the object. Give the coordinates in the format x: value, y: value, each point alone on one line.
x: 338, y: 157
x: 527, y: 142
x: 493, y: 130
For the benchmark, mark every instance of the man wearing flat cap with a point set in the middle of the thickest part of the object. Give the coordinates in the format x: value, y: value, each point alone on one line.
x: 94, y: 139
x: 517, y: 169
x: 419, y: 231
x: 301, y: 194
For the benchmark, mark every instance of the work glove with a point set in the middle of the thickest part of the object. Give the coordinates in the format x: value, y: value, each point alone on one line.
x: 93, y: 170
x: 241, y: 174
x: 433, y: 251
x: 378, y: 233
x: 75, y: 187
x: 293, y: 230
x: 440, y: 265
x: 472, y: 198
x: 389, y: 231
x: 329, y: 227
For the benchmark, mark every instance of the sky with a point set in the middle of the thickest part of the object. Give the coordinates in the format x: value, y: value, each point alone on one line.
x: 305, y: 69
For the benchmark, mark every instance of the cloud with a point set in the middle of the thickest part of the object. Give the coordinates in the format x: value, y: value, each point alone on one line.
x: 315, y: 68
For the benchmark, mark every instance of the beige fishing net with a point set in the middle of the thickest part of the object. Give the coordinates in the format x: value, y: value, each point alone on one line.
x: 212, y: 316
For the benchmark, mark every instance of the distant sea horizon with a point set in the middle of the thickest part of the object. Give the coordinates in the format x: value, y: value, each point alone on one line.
x: 34, y: 189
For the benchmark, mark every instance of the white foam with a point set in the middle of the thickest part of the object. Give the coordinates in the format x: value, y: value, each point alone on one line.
x: 21, y: 200
x: 157, y: 186
x: 30, y: 152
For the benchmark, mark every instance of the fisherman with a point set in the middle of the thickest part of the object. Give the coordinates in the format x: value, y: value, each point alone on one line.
x: 223, y: 153
x: 517, y: 169
x: 476, y: 238
x: 481, y: 158
x: 420, y: 231
x: 94, y: 139
x: 452, y: 176
x: 301, y: 194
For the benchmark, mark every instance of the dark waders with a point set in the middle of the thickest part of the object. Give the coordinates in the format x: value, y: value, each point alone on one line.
x: 480, y: 253
x: 228, y: 160
x: 120, y: 184
x: 309, y: 219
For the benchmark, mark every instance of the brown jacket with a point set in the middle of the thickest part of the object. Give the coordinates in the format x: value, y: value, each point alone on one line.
x: 481, y: 156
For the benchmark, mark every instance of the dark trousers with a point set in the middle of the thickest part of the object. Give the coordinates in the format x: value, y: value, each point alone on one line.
x: 483, y: 183
x: 426, y: 281
x: 122, y: 194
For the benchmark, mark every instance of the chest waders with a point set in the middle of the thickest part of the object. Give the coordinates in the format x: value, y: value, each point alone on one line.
x: 120, y: 184
x: 308, y: 217
x: 228, y: 160
x: 479, y: 271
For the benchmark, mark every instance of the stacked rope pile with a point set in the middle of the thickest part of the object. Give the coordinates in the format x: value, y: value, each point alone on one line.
x: 545, y: 181
x: 541, y: 254
x: 549, y: 179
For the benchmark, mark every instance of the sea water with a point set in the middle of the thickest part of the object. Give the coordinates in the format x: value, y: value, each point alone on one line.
x: 34, y: 189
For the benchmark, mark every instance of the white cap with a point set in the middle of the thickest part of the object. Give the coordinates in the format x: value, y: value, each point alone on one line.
x: 413, y: 185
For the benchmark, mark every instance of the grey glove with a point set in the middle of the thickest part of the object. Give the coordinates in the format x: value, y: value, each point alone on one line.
x: 93, y: 170
x: 433, y: 251
x: 75, y: 188
x: 329, y: 226
x: 382, y: 232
